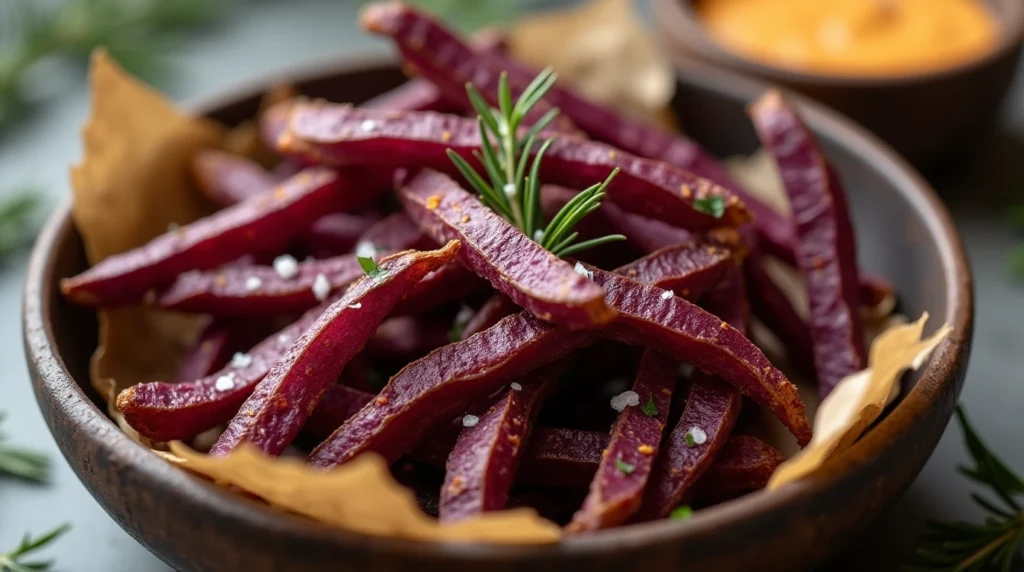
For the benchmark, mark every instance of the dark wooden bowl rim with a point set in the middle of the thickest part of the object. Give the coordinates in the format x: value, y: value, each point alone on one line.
x: 678, y: 19
x: 73, y: 410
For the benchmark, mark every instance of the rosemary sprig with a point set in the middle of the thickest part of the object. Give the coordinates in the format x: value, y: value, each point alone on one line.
x: 137, y: 33
x: 510, y: 189
x: 12, y: 561
x: 23, y: 463
x: 992, y: 545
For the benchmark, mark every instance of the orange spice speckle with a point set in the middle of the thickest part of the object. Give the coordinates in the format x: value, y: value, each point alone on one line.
x: 457, y: 485
x: 685, y: 191
x: 666, y: 391
x: 220, y: 280
x: 446, y: 136
x: 433, y: 201
x: 604, y: 453
x: 282, y: 403
x: 645, y: 450
x: 514, y: 439
x: 465, y: 219
x: 611, y: 154
x: 382, y: 400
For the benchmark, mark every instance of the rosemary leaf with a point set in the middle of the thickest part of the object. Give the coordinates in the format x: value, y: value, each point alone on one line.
x: 23, y: 463
x: 13, y: 561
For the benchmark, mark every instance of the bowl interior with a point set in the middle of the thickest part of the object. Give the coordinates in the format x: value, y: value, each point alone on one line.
x: 903, y: 233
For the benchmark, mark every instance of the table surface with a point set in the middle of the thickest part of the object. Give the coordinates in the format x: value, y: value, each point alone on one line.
x: 270, y: 36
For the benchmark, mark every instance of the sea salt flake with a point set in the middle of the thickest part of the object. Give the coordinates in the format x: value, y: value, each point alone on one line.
x: 286, y: 266
x: 225, y: 382
x: 666, y: 294
x: 510, y: 190
x: 356, y: 306
x: 582, y: 271
x: 470, y: 421
x: 283, y: 339
x: 698, y: 435
x: 538, y: 235
x: 321, y: 287
x: 465, y: 314
x: 366, y: 249
x: 368, y: 125
x: 253, y: 283
x: 240, y: 360
x: 625, y: 399
x: 515, y: 386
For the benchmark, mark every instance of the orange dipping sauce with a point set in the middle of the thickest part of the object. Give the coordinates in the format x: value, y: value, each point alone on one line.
x: 853, y: 37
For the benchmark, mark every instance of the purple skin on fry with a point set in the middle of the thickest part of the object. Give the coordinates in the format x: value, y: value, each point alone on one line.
x: 280, y: 404
x: 414, y: 95
x: 445, y: 383
x: 264, y: 223
x: 615, y: 494
x: 228, y: 179
x: 743, y: 465
x: 257, y: 290
x: 670, y: 324
x: 179, y: 411
x: 445, y: 59
x: 494, y: 249
x: 494, y: 309
x: 567, y: 457
x: 336, y: 134
x: 826, y: 253
x: 689, y: 269
x: 483, y: 463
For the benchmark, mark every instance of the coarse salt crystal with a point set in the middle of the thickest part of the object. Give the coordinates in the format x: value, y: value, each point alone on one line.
x: 240, y: 360
x: 470, y: 421
x: 321, y: 287
x: 368, y: 125
x: 253, y: 283
x: 366, y: 249
x: 538, y: 235
x: 356, y: 306
x: 698, y: 435
x: 625, y: 399
x: 515, y: 386
x: 283, y: 339
x: 666, y: 294
x: 582, y: 271
x: 510, y: 190
x: 225, y: 382
x: 286, y: 266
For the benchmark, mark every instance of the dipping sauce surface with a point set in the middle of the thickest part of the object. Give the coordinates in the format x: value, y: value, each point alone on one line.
x: 853, y: 37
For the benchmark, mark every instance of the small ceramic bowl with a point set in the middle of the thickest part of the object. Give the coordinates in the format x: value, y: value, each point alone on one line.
x: 905, y: 235
x: 926, y: 116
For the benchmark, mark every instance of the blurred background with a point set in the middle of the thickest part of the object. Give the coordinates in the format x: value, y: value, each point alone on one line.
x: 188, y: 48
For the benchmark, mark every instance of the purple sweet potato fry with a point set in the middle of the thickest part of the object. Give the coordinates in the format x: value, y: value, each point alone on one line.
x: 445, y: 383
x: 450, y: 282
x: 645, y: 234
x: 562, y: 457
x: 414, y: 95
x: 336, y: 233
x: 280, y: 404
x: 618, y: 486
x: 228, y: 179
x: 656, y: 319
x: 494, y: 309
x: 259, y: 290
x: 343, y: 135
x: 493, y: 248
x: 743, y: 465
x: 445, y: 59
x: 408, y: 337
x: 164, y: 411
x: 483, y: 463
x: 690, y: 269
x: 826, y: 254
x: 265, y: 223
x: 336, y: 405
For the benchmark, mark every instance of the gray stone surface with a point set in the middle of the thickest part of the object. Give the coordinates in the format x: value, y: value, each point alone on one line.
x: 270, y: 36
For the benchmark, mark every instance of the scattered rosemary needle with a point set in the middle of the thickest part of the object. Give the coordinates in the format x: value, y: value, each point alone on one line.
x: 13, y: 560
x: 23, y: 463
x: 992, y: 545
x: 512, y: 191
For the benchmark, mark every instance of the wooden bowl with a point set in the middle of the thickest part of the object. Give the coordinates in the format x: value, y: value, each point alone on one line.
x: 926, y: 116
x: 905, y: 235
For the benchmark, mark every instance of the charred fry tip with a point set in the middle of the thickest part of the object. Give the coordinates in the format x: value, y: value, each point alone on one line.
x: 125, y: 398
